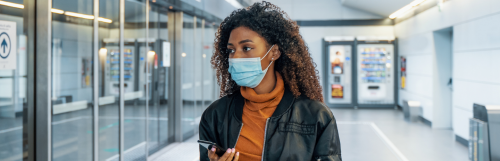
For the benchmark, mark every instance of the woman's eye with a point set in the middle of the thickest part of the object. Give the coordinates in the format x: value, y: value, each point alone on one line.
x: 230, y: 51
x: 246, y: 49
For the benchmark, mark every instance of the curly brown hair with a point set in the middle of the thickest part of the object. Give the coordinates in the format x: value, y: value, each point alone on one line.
x: 295, y: 64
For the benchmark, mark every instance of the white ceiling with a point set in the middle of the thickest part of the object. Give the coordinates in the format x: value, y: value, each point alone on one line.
x: 380, y: 7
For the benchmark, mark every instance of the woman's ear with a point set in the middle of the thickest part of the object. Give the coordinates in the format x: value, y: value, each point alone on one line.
x: 276, y: 52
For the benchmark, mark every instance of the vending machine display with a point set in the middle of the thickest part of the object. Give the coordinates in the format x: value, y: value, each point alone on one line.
x: 112, y: 70
x: 375, y: 78
x: 339, y: 74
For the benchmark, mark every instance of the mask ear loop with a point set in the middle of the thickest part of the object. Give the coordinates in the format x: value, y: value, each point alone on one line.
x: 267, y: 52
x: 272, y: 59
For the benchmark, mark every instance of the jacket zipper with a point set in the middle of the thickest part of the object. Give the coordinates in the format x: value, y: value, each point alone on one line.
x: 264, y: 146
x: 238, y: 136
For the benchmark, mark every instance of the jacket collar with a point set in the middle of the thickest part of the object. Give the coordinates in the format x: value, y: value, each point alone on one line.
x: 238, y: 102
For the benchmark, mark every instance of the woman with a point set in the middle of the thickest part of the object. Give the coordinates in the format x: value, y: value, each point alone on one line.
x: 271, y: 104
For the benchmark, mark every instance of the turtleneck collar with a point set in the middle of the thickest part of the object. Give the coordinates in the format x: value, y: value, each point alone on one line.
x: 259, y: 101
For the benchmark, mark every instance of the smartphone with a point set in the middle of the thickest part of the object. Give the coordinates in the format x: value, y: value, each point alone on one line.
x: 207, y: 144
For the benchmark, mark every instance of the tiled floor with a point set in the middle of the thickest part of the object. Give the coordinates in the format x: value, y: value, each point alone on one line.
x: 374, y: 135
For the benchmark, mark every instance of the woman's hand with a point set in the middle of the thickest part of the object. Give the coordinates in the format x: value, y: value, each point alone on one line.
x: 228, y: 156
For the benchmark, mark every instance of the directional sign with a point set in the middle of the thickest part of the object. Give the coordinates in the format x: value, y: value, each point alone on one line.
x: 8, y: 50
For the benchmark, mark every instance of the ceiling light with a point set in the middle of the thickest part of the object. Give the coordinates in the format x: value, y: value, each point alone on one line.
x: 151, y: 53
x: 10, y: 4
x: 103, y: 51
x: 234, y: 3
x: 405, y: 9
x: 85, y: 16
x: 58, y: 11
x: 104, y: 20
x: 183, y: 54
x: 79, y: 15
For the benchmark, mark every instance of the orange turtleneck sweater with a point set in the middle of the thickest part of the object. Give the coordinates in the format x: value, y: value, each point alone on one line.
x: 258, y: 107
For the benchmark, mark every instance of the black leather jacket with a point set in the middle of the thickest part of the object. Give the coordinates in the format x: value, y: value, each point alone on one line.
x: 300, y: 129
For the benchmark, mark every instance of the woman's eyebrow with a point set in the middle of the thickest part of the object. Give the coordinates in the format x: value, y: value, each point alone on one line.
x: 241, y: 42
x: 244, y: 41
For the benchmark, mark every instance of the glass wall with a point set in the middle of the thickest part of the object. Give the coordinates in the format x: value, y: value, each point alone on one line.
x: 13, y: 82
x: 135, y: 54
x: 209, y: 82
x: 108, y: 78
x: 198, y: 74
x: 187, y: 76
x: 72, y: 98
x: 158, y: 76
x: 87, y: 70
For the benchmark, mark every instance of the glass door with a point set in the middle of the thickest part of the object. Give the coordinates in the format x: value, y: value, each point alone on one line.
x: 14, y: 87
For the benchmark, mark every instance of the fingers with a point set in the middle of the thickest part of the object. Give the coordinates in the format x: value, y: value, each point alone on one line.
x: 231, y: 156
x: 237, y: 156
x: 211, y: 154
x: 226, y: 155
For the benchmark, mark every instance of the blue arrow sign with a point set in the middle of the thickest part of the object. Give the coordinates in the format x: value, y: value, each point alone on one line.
x: 3, y: 45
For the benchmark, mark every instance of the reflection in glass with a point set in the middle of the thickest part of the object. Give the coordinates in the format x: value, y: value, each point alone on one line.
x: 209, y: 89
x: 72, y: 81
x: 187, y: 77
x: 136, y: 57
x: 153, y: 126
x: 198, y: 74
x: 13, y: 85
x: 108, y: 76
x: 158, y: 80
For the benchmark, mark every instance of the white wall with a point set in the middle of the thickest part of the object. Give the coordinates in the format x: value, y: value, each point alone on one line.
x: 476, y: 52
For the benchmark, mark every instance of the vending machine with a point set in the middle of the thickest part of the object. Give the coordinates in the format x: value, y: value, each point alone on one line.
x: 376, y: 73
x: 338, y: 86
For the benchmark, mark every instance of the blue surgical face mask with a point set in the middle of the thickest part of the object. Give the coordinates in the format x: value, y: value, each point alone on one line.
x: 248, y: 72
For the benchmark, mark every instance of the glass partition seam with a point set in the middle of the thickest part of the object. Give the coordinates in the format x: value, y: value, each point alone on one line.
x: 43, y: 80
x: 147, y: 81
x: 177, y: 79
x: 29, y: 28
x: 96, y: 82
x: 122, y: 103
x: 172, y: 76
